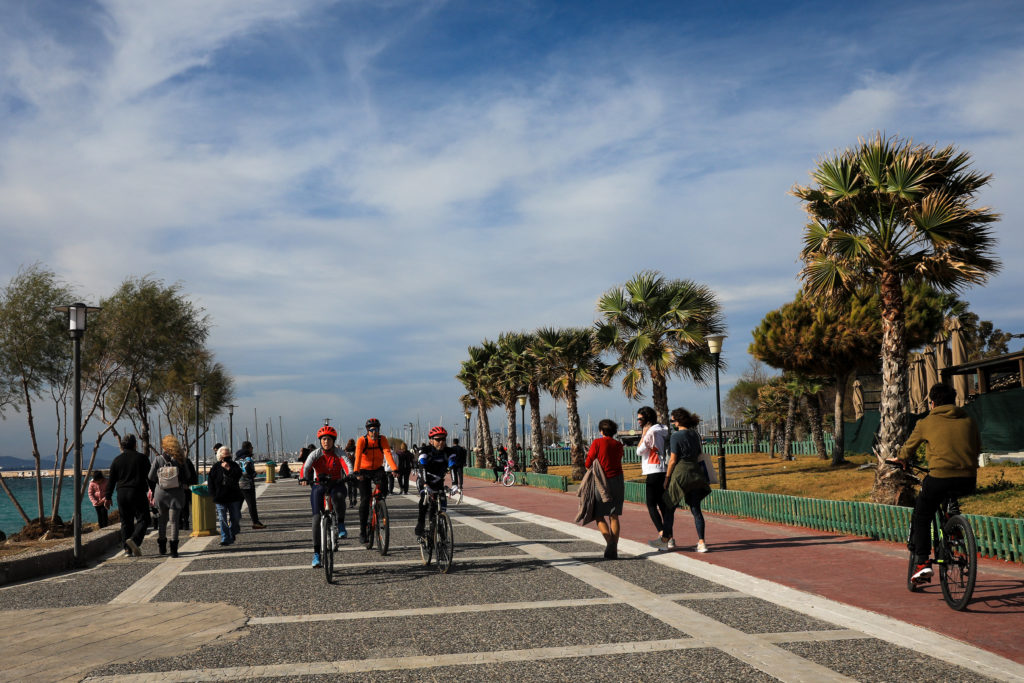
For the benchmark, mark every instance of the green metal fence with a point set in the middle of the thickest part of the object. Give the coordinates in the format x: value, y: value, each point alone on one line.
x: 563, y: 456
x: 998, y: 537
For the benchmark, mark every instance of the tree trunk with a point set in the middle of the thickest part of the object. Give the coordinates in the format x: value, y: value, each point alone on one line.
x: 889, y: 488
x: 512, y: 424
x: 540, y: 462
x: 814, y: 416
x: 486, y: 442
x: 659, y: 394
x: 579, y: 454
x: 771, y: 440
x: 755, y: 428
x: 17, y: 505
x: 839, y: 433
x: 143, y: 411
x: 787, y: 437
x: 35, y: 446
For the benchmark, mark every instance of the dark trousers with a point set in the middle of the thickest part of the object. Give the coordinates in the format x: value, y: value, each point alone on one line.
x: 250, y: 502
x: 933, y: 492
x: 403, y: 481
x: 101, y: 515
x: 457, y: 476
x: 661, y: 514
x: 133, y: 507
x: 365, y: 491
x: 391, y: 482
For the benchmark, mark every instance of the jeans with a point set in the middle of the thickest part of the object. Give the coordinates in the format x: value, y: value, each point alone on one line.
x: 338, y: 496
x: 698, y: 520
x: 662, y: 515
x: 933, y: 491
x: 228, y: 531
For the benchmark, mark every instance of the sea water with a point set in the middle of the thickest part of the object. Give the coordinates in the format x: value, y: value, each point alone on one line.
x: 24, y: 489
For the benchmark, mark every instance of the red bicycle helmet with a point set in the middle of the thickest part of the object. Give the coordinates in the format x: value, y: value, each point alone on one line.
x: 327, y: 430
x: 373, y: 422
x: 437, y: 431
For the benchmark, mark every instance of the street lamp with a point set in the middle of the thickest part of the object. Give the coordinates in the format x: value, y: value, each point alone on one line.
x: 77, y: 317
x: 522, y: 418
x: 231, y: 427
x: 468, y: 445
x: 715, y: 347
x: 197, y: 391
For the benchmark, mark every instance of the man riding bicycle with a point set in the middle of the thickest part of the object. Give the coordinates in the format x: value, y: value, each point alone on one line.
x: 327, y: 462
x: 434, y: 460
x: 371, y: 451
x: 953, y: 446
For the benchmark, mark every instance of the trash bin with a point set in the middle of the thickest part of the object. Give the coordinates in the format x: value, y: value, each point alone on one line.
x: 204, y: 512
x: 271, y: 471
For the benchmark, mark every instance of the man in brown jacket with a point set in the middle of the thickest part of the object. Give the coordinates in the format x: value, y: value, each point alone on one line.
x: 953, y: 446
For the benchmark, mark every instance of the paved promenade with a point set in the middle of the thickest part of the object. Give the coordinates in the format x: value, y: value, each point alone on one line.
x: 529, y: 598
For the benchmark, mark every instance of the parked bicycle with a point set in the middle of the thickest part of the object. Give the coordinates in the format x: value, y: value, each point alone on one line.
x: 378, y: 527
x: 955, y: 551
x: 438, y: 537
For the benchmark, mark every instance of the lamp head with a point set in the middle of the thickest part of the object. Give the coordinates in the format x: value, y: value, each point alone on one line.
x: 715, y: 343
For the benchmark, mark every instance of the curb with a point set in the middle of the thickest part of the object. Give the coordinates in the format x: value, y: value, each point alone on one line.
x: 39, y: 563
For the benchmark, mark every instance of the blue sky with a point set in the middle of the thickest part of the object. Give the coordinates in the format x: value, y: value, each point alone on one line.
x: 357, y: 191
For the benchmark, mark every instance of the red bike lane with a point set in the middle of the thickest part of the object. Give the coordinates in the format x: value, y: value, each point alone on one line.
x: 847, y: 569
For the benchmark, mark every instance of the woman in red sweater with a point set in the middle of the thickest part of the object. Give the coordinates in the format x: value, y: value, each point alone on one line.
x: 608, y: 451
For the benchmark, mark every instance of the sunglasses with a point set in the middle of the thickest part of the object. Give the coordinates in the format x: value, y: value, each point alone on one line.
x: 440, y: 438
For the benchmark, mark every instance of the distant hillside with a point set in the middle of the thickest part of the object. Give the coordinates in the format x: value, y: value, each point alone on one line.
x: 104, y: 456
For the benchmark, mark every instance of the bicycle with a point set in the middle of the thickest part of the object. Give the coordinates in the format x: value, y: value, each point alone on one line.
x: 955, y: 551
x: 509, y: 477
x: 377, y: 526
x: 328, y: 529
x: 438, y: 536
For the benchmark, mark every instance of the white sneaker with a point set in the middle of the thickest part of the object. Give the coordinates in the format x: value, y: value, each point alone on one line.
x: 671, y: 544
x: 128, y: 553
x: 701, y: 548
x: 133, y: 547
x: 658, y: 543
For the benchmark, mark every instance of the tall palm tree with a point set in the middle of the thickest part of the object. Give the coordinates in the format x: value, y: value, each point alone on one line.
x: 474, y: 375
x: 656, y: 329
x: 573, y: 360
x: 882, y: 213
x: 510, y: 372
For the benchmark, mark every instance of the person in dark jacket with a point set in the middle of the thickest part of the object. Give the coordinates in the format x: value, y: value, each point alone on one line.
x: 248, y: 482
x: 227, y: 495
x: 405, y: 460
x: 128, y: 475
x: 459, y: 466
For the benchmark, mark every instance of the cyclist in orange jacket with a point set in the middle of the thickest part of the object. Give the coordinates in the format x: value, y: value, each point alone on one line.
x: 371, y: 451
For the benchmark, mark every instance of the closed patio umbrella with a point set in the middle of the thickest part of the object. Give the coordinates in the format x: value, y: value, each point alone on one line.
x: 858, y: 400
x: 931, y: 373
x: 958, y: 356
x: 916, y: 383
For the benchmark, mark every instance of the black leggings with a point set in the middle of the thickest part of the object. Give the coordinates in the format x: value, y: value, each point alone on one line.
x: 365, y: 491
x: 661, y: 514
x: 457, y: 476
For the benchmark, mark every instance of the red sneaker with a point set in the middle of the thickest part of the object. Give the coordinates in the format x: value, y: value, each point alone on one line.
x: 923, y: 573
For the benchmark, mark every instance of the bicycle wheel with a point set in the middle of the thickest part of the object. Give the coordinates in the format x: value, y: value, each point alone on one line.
x: 959, y: 568
x: 508, y: 479
x: 327, y: 547
x: 380, y: 514
x: 445, y: 543
x: 427, y: 544
x: 371, y: 525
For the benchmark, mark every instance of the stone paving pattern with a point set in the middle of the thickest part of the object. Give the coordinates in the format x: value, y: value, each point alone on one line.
x: 529, y: 598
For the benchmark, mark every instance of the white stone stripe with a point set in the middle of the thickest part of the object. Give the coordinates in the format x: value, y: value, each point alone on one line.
x: 817, y: 636
x: 351, y: 565
x: 237, y: 673
x: 147, y: 588
x: 891, y: 630
x: 748, y: 648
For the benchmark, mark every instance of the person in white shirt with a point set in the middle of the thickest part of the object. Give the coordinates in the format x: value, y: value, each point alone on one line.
x: 653, y: 452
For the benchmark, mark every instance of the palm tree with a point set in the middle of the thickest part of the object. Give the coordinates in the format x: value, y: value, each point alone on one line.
x: 883, y: 213
x: 510, y: 372
x: 752, y: 417
x: 573, y: 361
x: 656, y: 329
x: 806, y: 389
x: 772, y: 404
x: 474, y: 376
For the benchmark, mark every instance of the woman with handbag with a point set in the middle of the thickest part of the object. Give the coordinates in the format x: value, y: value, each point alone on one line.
x: 171, y: 475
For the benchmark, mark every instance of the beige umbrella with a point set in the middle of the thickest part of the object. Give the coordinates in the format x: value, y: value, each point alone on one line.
x: 941, y: 354
x: 916, y: 383
x: 858, y: 400
x: 958, y: 357
x: 931, y: 373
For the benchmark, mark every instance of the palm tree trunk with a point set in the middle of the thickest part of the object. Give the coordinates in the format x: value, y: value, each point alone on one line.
x: 787, y: 437
x: 755, y: 428
x: 814, y: 416
x: 839, y: 434
x: 487, y: 444
x: 579, y: 455
x: 511, y: 424
x: 659, y: 394
x: 540, y: 463
x: 481, y: 461
x: 890, y: 488
x: 771, y: 439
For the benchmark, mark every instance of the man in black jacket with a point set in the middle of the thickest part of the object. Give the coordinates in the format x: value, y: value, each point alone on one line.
x: 129, y: 475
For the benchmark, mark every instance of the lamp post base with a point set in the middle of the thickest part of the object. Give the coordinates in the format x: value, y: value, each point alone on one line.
x: 721, y: 472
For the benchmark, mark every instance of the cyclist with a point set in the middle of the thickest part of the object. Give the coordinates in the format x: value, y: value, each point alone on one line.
x: 953, y: 446
x: 434, y: 461
x: 371, y: 452
x: 333, y: 463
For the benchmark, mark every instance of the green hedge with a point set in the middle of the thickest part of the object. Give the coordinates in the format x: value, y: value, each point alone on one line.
x: 998, y: 537
x: 543, y: 481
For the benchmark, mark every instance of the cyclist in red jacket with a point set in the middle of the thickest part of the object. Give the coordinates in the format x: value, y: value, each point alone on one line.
x: 334, y: 464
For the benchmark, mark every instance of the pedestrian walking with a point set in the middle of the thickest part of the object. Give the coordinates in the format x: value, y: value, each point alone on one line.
x: 459, y: 466
x: 606, y: 453
x: 171, y: 477
x: 98, y: 497
x: 227, y: 495
x: 353, y: 490
x: 652, y: 451
x: 405, y: 460
x: 248, y: 482
x: 685, y: 476
x: 129, y: 474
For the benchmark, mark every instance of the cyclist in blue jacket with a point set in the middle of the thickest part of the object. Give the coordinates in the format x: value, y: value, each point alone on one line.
x: 434, y: 461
